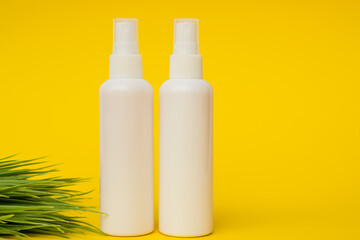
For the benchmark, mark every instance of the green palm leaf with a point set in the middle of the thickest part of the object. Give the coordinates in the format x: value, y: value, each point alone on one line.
x: 29, y: 205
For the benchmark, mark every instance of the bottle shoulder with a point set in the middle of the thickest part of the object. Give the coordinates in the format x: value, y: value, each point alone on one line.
x: 185, y: 85
x: 120, y: 85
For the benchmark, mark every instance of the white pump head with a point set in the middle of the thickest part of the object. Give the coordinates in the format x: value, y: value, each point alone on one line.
x: 125, y: 61
x: 186, y: 36
x: 125, y: 36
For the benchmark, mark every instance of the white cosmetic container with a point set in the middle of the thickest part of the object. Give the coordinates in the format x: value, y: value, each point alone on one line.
x: 126, y: 139
x: 185, y: 140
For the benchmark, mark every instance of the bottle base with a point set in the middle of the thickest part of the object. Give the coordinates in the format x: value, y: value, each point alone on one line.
x: 129, y: 235
x: 185, y: 236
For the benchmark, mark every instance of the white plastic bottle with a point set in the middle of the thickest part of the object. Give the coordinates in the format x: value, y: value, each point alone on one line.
x: 185, y: 140
x: 126, y: 139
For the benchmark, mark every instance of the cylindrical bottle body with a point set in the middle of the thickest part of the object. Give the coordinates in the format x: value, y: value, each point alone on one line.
x: 126, y: 157
x: 185, y: 158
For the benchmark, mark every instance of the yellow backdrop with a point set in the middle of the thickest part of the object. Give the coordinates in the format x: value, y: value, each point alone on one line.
x: 286, y: 102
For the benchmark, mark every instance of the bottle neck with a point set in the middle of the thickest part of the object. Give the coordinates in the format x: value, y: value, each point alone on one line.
x: 185, y: 66
x: 126, y: 66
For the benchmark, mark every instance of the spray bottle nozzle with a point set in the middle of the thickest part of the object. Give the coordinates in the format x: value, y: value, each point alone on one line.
x: 125, y: 36
x: 186, y: 36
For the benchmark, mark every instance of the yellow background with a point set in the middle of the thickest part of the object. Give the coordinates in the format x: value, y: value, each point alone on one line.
x: 286, y: 109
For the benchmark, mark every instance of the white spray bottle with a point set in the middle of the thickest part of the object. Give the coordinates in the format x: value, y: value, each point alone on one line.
x: 185, y: 140
x: 126, y: 139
